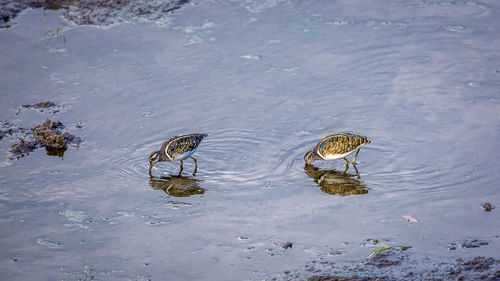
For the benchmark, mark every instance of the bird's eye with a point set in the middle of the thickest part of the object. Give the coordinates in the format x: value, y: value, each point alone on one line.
x: 153, y: 157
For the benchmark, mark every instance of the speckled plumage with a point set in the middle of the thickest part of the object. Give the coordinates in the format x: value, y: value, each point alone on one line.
x: 336, y: 146
x: 181, y: 147
x: 177, y: 148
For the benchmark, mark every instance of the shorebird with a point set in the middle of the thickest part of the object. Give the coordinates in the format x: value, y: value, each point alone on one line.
x: 177, y: 148
x: 336, y: 146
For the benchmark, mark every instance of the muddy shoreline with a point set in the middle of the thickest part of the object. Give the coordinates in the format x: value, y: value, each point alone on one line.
x: 88, y: 12
x: 394, y: 264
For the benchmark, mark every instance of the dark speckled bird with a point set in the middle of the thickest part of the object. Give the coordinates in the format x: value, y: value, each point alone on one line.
x: 177, y: 148
x: 336, y: 146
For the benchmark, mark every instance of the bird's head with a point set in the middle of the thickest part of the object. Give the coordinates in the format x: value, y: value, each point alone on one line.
x: 153, y: 159
x: 310, y: 157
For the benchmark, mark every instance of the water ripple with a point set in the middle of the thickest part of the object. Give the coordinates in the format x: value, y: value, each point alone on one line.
x: 235, y: 155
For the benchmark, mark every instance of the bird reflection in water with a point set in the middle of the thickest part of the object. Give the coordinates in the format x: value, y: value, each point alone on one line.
x: 177, y: 186
x: 59, y: 152
x: 336, y: 182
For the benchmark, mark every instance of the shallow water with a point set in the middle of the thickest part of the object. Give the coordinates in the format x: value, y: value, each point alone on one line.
x: 266, y: 80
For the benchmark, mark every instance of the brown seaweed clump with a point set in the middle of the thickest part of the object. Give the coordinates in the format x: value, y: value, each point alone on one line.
x: 50, y: 135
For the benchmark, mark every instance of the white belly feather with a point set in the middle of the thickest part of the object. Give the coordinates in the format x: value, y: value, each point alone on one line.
x: 339, y: 156
x: 183, y: 156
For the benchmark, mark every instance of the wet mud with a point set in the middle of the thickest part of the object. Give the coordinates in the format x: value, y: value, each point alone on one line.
x: 395, y: 264
x: 100, y: 12
x: 467, y: 243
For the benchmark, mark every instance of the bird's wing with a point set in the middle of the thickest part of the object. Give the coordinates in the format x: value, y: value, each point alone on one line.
x: 181, y: 144
x: 340, y: 143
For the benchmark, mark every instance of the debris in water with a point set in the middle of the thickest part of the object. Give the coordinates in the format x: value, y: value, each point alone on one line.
x: 487, y: 207
x: 410, y: 219
x: 287, y: 245
x: 51, y: 135
x: 41, y: 107
x: 43, y: 104
x: 403, y: 248
x: 45, y: 241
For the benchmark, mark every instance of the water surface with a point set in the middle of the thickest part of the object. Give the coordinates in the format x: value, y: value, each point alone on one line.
x: 266, y: 80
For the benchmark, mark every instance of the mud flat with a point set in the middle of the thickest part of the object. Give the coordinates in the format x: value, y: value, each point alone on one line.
x: 92, y: 12
x: 394, y: 264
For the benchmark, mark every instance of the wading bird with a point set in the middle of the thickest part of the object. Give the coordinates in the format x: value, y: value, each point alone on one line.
x: 177, y: 148
x: 336, y: 146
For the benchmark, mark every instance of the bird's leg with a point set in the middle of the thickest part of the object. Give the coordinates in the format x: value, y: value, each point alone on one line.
x: 195, y: 165
x: 346, y: 161
x: 356, y: 168
x: 354, y: 160
x: 182, y: 168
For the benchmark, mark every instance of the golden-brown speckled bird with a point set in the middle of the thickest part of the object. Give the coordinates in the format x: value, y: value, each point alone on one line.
x: 177, y: 148
x: 336, y: 146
